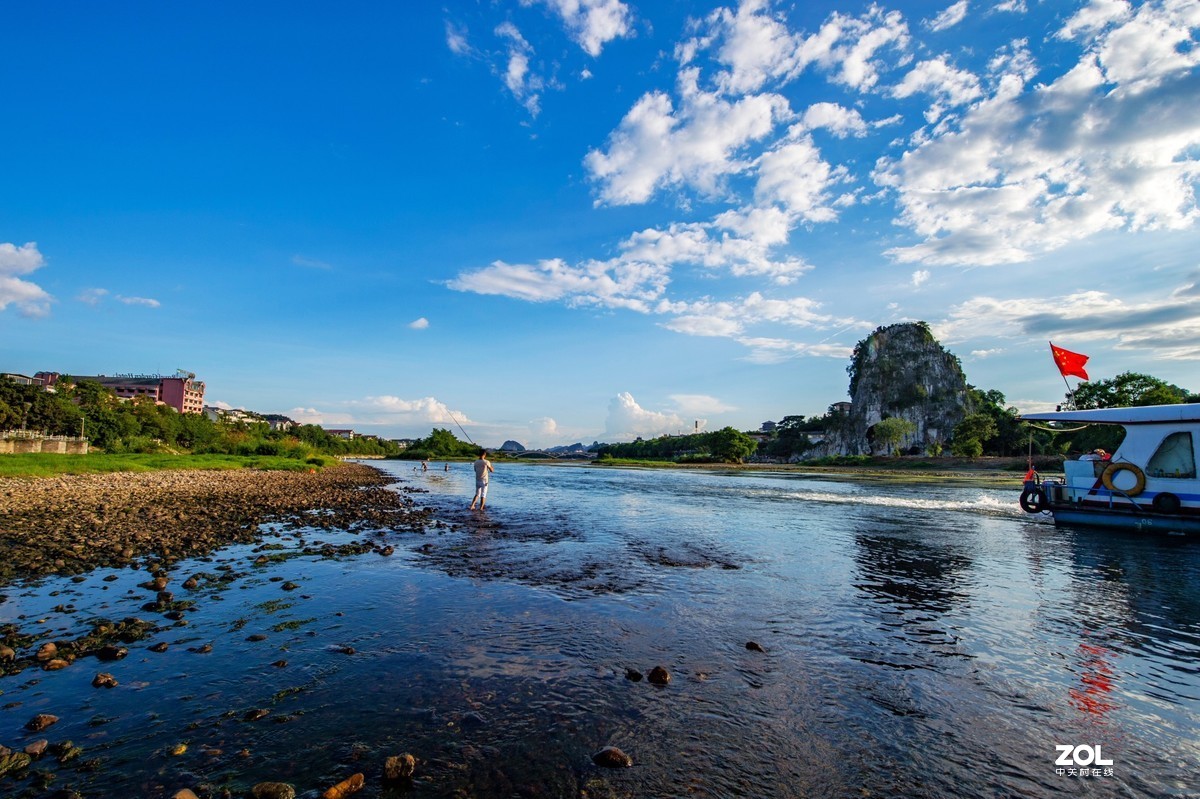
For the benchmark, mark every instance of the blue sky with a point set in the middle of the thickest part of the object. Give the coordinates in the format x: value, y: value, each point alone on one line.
x: 565, y: 220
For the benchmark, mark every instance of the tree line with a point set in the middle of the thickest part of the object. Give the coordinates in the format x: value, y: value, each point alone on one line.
x: 86, y: 408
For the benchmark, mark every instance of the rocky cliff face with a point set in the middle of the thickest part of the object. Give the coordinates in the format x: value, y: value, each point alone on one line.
x: 901, y: 371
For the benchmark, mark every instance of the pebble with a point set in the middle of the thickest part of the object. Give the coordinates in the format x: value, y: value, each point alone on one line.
x: 754, y: 646
x: 273, y: 790
x: 633, y: 675
x: 37, y: 748
x: 40, y: 722
x: 104, y: 680
x: 352, y: 784
x: 659, y: 676
x: 612, y: 757
x: 399, y: 767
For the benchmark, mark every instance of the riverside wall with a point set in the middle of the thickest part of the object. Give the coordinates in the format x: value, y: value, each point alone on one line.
x: 23, y: 441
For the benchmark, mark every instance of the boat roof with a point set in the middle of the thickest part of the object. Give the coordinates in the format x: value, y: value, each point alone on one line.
x: 1146, y: 414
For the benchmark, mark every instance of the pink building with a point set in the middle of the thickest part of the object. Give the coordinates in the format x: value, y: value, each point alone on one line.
x: 184, y: 392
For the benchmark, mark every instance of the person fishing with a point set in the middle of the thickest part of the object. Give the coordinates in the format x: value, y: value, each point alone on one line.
x: 483, y: 468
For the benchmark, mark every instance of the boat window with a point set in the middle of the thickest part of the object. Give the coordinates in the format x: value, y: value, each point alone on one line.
x: 1174, y: 457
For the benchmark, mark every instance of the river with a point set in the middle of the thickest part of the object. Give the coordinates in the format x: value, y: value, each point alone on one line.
x: 907, y: 641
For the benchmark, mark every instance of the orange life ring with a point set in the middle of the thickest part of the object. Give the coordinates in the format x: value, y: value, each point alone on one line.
x: 1140, y: 478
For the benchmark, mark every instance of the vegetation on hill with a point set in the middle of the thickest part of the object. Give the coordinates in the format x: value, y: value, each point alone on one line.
x: 140, y: 426
x: 721, y: 446
x: 440, y: 443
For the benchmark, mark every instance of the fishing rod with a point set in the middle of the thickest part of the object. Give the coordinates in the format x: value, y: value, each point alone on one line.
x: 460, y: 427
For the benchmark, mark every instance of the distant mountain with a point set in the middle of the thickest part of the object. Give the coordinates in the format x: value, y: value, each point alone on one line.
x: 577, y: 447
x: 511, y: 446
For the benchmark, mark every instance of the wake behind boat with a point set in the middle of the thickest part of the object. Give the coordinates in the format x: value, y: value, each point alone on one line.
x: 1149, y: 484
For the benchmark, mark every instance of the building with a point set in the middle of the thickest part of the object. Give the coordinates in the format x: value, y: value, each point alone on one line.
x: 341, y: 433
x: 183, y: 392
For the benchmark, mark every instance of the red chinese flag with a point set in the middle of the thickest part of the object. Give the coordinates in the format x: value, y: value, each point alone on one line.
x: 1069, y: 363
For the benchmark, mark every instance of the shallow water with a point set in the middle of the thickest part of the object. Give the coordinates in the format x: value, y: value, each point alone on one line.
x: 918, y: 642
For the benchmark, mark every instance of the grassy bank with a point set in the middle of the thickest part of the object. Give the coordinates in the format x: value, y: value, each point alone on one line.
x: 49, y: 465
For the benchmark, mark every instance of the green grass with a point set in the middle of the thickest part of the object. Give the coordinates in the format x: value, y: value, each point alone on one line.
x: 49, y: 465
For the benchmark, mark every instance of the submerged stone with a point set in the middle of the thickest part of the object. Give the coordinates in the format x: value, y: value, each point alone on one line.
x: 612, y: 757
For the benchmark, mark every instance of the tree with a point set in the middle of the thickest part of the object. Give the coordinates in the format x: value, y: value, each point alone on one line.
x: 970, y: 433
x: 1129, y: 389
x: 731, y: 446
x: 891, y: 431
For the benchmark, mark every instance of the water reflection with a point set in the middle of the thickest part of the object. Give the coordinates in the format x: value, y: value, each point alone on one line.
x: 913, y: 647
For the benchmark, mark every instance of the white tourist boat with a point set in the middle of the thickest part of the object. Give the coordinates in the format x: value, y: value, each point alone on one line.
x: 1148, y: 484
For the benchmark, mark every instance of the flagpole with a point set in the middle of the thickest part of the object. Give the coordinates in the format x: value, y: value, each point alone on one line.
x: 1070, y: 393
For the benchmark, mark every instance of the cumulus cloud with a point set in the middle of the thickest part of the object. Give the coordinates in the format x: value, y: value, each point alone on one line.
x: 28, y: 298
x: 949, y: 17
x: 591, y: 23
x: 383, y: 410
x: 919, y: 277
x: 419, y: 324
x: 695, y: 145
x: 543, y: 429
x: 627, y: 420
x: 938, y: 78
x: 1111, y: 144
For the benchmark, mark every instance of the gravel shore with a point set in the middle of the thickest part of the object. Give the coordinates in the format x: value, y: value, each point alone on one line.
x: 73, y: 523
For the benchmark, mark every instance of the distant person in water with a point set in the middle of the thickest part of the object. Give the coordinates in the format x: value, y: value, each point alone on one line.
x: 483, y: 467
x: 447, y: 467
x: 425, y: 466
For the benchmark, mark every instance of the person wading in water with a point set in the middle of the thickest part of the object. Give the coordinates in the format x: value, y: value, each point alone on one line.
x: 483, y: 468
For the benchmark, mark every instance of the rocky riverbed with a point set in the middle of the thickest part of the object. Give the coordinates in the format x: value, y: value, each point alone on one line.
x: 71, y: 524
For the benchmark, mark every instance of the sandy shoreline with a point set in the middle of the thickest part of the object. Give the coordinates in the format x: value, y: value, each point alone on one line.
x: 73, y: 523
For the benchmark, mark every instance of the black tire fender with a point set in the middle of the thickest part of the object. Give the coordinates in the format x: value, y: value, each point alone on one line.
x: 1166, y: 502
x: 1033, y: 500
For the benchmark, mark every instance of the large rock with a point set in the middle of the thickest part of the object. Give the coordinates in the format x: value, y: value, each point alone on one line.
x: 900, y: 371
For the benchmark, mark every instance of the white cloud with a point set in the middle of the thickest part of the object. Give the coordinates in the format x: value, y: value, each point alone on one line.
x: 543, y: 429
x: 796, y: 177
x: 949, y: 17
x: 981, y: 354
x: 700, y: 404
x: 591, y: 23
x: 920, y: 276
x: 948, y: 85
x: 524, y: 85
x: 29, y: 298
x: 92, y: 297
x: 225, y: 406
x: 837, y: 119
x: 1112, y: 144
x: 704, y: 326
x: 627, y: 420
x: 310, y: 263
x: 694, y: 146
x: 456, y: 39
x: 146, y: 302
x: 419, y: 324
x: 1165, y: 329
x: 385, y: 409
x: 1095, y: 17
x: 611, y: 284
